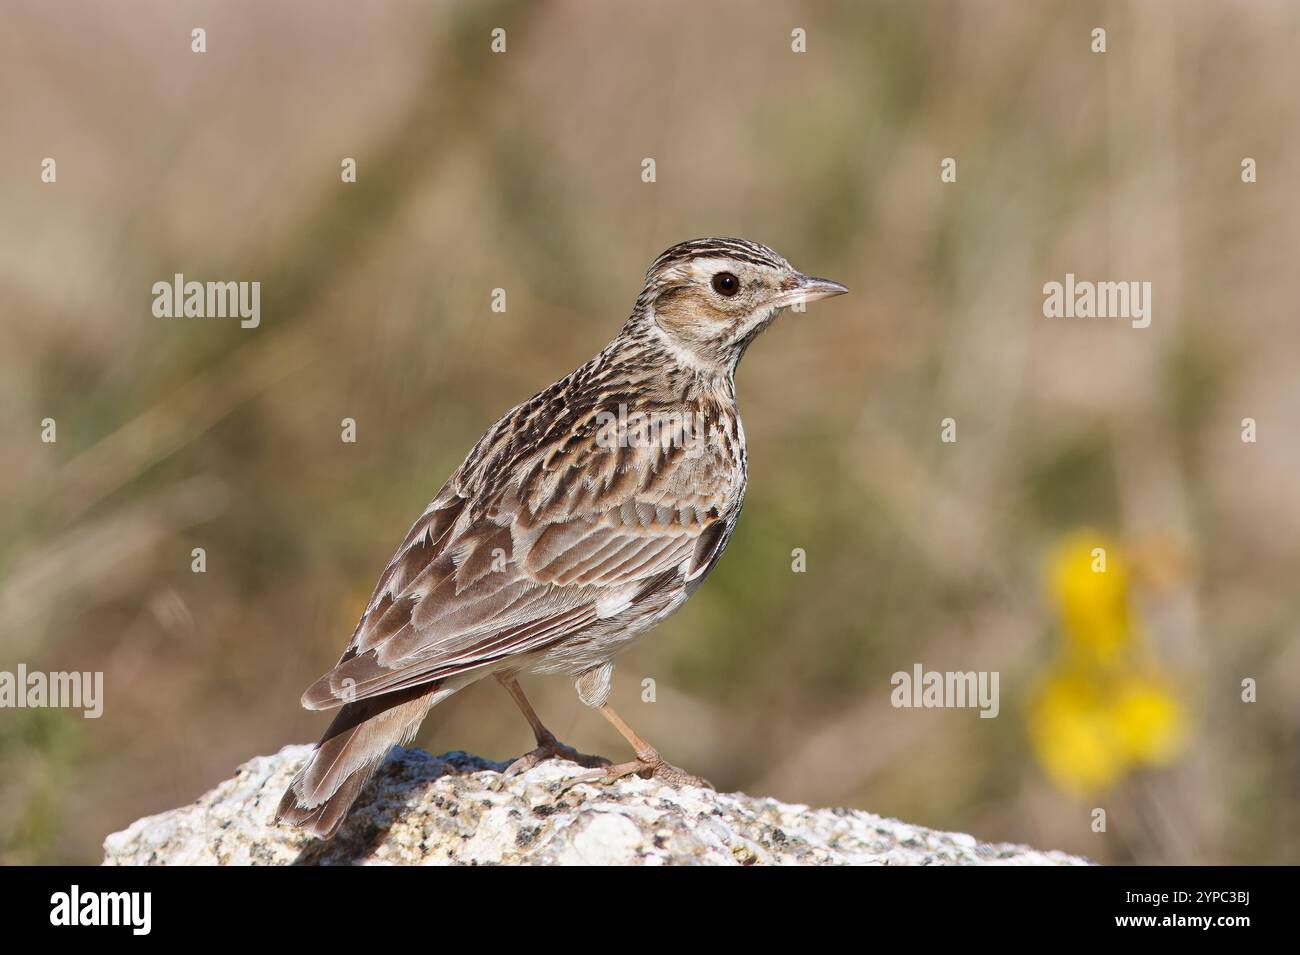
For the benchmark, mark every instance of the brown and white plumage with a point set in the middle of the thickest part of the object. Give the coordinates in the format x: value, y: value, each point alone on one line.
x: 583, y: 517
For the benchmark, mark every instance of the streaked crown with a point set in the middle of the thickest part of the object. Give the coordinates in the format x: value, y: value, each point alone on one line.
x: 706, y: 300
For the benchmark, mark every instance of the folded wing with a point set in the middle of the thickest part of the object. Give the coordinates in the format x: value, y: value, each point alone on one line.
x: 581, y: 534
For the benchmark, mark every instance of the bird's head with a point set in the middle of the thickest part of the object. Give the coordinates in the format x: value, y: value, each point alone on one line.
x: 707, y: 299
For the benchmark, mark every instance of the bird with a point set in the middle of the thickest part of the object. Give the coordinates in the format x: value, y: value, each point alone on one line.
x: 581, y: 519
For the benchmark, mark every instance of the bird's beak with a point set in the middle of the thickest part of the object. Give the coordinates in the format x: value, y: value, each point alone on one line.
x: 808, y: 288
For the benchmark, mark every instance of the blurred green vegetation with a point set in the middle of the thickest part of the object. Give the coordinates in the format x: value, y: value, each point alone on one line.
x: 522, y: 171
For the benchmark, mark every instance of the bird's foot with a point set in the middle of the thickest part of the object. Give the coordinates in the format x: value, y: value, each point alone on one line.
x: 551, y: 748
x: 648, y: 766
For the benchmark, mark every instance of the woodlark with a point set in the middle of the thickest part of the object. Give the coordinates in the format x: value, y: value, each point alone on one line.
x: 581, y: 519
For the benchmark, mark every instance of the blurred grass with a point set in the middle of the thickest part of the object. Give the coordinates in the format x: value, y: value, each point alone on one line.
x: 522, y: 172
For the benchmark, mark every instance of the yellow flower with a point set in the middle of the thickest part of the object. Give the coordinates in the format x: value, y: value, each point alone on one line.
x: 1089, y: 582
x: 1103, y: 709
x: 1091, y: 728
x: 1148, y: 721
x: 1068, y: 726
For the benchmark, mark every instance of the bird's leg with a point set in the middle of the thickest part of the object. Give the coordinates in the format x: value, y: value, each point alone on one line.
x: 548, y: 747
x: 648, y: 762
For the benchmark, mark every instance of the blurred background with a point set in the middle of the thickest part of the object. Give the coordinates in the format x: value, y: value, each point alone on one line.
x: 522, y: 171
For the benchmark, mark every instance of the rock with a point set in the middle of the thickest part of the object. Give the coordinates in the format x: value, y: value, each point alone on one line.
x: 458, y: 809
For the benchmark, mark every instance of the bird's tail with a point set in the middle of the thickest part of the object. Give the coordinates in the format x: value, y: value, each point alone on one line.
x: 348, y: 754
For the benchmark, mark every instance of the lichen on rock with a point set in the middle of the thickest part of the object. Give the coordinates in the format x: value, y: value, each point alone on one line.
x: 458, y: 809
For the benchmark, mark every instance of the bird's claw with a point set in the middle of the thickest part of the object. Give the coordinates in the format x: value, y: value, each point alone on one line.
x: 549, y: 749
x: 655, y: 767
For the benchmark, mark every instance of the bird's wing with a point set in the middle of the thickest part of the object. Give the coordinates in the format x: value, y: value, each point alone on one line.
x: 498, y: 567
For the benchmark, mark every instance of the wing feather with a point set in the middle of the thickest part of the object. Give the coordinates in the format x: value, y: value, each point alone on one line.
x: 499, y: 567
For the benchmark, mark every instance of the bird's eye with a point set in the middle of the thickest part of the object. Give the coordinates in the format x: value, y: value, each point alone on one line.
x: 724, y: 283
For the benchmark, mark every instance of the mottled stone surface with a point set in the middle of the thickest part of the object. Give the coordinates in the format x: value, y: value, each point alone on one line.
x: 458, y: 809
